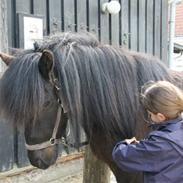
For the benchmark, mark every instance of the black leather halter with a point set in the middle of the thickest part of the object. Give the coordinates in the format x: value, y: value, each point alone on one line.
x: 53, y: 140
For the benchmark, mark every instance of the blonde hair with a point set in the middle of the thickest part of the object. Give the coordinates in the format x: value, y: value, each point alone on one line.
x: 162, y: 97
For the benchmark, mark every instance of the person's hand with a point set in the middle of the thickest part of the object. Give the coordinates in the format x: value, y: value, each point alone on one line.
x: 133, y: 140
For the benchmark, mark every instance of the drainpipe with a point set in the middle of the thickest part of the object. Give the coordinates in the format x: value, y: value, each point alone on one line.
x: 172, y: 4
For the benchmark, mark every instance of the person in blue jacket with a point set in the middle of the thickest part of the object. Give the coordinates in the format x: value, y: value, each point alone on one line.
x: 160, y: 155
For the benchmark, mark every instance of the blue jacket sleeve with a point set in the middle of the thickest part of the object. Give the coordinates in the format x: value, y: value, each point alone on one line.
x: 146, y: 156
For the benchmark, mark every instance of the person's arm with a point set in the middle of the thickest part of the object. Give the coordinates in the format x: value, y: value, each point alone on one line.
x: 146, y: 156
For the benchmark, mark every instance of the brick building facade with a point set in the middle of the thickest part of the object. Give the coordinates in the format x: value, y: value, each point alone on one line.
x: 179, y: 20
x: 178, y: 40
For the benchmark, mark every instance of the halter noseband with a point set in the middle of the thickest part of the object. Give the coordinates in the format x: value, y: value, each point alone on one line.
x: 53, y: 140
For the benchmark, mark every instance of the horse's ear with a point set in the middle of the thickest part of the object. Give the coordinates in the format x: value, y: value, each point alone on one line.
x: 46, y: 64
x: 6, y: 58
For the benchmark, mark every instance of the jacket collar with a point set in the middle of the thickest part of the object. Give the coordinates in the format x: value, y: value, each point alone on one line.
x: 169, y: 125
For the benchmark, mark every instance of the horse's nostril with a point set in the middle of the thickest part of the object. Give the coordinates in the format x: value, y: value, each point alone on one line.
x: 39, y: 163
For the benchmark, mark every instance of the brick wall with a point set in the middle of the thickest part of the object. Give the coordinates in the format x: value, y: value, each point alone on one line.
x: 179, y: 20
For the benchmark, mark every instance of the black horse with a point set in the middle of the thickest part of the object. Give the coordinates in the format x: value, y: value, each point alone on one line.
x: 96, y: 85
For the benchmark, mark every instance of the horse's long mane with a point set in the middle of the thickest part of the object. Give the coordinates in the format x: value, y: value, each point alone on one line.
x: 100, y: 83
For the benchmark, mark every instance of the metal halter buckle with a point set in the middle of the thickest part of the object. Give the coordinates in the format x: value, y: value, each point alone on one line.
x: 52, y: 141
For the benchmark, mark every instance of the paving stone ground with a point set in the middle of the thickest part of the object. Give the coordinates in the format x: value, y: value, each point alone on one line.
x: 69, y: 172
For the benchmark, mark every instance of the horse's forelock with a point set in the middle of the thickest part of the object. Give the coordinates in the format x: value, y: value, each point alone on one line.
x: 22, y: 89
